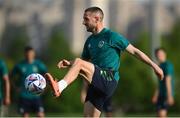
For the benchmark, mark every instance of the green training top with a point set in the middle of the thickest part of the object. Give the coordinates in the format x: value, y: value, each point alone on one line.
x: 23, y: 69
x: 104, y: 50
x: 168, y: 70
x: 3, y: 72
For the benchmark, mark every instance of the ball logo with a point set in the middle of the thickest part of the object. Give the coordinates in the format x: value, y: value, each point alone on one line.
x: 31, y: 78
x: 101, y: 43
x: 42, y: 82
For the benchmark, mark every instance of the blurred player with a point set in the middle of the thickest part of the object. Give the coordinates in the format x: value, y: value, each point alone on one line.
x: 4, y: 87
x: 107, y: 107
x: 27, y: 101
x: 163, y: 96
x: 99, y: 64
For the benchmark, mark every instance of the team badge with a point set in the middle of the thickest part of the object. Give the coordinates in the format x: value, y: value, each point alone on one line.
x: 35, y: 69
x: 89, y: 46
x: 23, y: 69
x: 101, y: 43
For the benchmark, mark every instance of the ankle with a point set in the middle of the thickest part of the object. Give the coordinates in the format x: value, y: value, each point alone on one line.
x: 62, y: 84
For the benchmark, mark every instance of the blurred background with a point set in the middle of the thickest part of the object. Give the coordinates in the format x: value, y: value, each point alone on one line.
x: 54, y: 28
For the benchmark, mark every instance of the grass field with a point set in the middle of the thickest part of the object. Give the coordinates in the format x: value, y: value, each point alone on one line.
x: 13, y: 113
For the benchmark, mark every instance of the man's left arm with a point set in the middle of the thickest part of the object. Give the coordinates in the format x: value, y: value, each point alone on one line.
x: 143, y: 57
x: 170, y: 99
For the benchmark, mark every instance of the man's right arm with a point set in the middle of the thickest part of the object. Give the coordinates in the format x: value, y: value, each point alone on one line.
x: 5, y: 78
x: 85, y: 56
x: 14, y: 75
x: 7, y: 90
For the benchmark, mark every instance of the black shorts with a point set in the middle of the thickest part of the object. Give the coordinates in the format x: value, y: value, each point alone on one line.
x: 161, y: 103
x: 101, y: 88
x: 30, y: 105
x: 107, y: 107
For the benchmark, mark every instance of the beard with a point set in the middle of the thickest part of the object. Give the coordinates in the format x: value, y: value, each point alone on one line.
x: 89, y: 28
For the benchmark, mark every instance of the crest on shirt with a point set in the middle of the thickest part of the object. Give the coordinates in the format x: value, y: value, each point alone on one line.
x: 89, y: 45
x: 35, y: 69
x: 101, y: 43
x: 23, y: 69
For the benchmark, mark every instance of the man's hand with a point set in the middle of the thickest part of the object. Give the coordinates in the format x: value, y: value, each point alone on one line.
x: 64, y: 64
x: 159, y: 72
x: 154, y: 99
x: 7, y: 101
x: 170, y: 100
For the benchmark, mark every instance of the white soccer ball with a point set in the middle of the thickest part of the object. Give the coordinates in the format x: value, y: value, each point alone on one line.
x: 35, y: 83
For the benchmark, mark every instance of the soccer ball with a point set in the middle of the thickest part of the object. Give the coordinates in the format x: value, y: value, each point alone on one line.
x: 35, y: 83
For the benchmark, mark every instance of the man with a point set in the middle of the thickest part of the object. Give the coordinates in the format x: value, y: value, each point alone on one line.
x: 163, y: 96
x: 28, y: 102
x: 99, y: 64
x: 4, y: 86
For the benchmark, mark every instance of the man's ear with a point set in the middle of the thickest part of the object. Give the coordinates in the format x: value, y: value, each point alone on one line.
x: 97, y: 18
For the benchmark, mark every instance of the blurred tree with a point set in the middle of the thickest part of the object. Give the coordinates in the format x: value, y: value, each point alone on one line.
x: 14, y: 40
x: 69, y: 102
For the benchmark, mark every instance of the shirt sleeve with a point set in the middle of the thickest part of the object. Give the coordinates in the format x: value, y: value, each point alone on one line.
x: 4, y: 69
x: 85, y: 54
x: 118, y: 41
x: 15, y: 70
x: 169, y: 69
x: 42, y: 68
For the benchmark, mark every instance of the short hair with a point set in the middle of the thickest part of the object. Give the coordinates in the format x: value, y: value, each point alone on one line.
x: 28, y: 48
x: 160, y: 48
x: 96, y: 10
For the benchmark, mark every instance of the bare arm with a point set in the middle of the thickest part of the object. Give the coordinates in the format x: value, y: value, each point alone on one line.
x: 7, y: 90
x: 64, y: 63
x: 155, y: 96
x: 170, y: 98
x: 143, y: 57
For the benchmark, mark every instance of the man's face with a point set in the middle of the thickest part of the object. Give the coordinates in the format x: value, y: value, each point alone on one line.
x: 161, y: 56
x: 90, y: 21
x: 30, y: 55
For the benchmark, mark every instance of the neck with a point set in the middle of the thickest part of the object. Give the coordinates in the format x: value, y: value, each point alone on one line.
x: 98, y: 29
x: 162, y: 61
x: 30, y: 61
